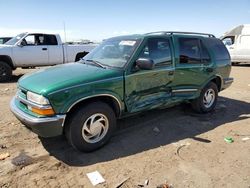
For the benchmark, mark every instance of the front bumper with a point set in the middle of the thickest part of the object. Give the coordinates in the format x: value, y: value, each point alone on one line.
x: 43, y: 126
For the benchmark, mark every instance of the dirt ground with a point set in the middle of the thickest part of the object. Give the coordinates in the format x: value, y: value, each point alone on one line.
x: 174, y: 146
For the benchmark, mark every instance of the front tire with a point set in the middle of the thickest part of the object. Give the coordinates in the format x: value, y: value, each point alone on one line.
x: 91, y: 126
x: 207, y: 99
x: 5, y: 72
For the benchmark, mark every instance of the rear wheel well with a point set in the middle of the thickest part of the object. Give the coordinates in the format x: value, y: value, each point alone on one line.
x: 217, y: 81
x: 7, y: 60
x: 106, y: 99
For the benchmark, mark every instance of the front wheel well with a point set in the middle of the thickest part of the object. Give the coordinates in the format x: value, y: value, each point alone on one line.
x: 106, y: 99
x: 7, y: 60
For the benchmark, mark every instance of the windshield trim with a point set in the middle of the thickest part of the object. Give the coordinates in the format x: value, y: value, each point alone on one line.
x: 133, y: 54
x: 23, y: 36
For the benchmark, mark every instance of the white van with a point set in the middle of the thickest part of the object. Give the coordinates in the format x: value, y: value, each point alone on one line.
x: 237, y: 42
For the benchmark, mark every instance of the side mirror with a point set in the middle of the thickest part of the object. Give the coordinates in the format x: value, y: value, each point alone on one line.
x: 145, y: 64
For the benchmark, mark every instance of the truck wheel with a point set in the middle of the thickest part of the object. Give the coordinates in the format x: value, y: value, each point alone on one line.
x: 5, y: 72
x: 91, y: 126
x: 207, y: 99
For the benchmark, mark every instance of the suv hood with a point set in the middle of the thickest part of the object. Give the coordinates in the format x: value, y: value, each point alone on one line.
x: 58, y: 77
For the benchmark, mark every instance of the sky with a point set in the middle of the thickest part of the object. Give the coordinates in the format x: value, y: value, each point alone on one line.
x: 100, y: 19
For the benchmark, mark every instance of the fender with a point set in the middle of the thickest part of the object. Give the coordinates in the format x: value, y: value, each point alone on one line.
x: 213, y: 77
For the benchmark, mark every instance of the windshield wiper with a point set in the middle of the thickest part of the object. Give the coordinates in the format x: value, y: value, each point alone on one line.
x: 96, y: 63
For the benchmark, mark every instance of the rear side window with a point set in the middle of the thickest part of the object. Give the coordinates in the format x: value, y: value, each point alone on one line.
x: 50, y: 40
x: 192, y: 51
x: 218, y: 49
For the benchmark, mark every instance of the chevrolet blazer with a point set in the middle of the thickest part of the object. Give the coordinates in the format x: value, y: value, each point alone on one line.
x: 124, y: 75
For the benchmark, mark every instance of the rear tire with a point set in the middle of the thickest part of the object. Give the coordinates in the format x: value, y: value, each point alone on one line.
x: 91, y: 126
x: 5, y: 71
x: 207, y: 99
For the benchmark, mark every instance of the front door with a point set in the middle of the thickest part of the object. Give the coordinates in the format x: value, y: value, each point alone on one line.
x: 33, y: 51
x: 148, y: 89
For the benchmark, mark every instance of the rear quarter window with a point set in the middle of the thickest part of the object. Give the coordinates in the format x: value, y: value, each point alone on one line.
x: 50, y: 40
x: 218, y: 49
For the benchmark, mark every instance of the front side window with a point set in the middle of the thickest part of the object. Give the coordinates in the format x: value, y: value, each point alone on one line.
x: 32, y: 40
x: 228, y: 40
x: 158, y: 50
x: 113, y: 52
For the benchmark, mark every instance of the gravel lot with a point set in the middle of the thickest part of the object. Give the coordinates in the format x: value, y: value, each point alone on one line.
x: 174, y: 146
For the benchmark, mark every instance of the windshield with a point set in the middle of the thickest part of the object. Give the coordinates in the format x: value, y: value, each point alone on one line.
x: 113, y: 52
x: 14, y: 40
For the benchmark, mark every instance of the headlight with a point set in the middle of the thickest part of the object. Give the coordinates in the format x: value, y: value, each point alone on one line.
x: 45, y: 109
x: 38, y: 99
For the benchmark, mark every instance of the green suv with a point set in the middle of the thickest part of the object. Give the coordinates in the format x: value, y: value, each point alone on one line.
x: 123, y: 75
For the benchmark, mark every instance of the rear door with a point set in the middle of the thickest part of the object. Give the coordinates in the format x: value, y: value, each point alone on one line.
x: 193, y: 66
x: 54, y: 49
x: 147, y: 89
x: 33, y: 52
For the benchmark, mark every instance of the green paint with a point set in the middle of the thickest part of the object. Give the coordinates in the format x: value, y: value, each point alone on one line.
x: 134, y: 91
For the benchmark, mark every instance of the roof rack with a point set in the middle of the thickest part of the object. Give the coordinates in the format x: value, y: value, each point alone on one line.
x: 179, y: 32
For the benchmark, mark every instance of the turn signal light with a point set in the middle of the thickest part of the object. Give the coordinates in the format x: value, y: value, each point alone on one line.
x: 43, y: 111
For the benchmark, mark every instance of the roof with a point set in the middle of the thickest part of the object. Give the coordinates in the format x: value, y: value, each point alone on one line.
x: 241, y: 29
x: 159, y: 33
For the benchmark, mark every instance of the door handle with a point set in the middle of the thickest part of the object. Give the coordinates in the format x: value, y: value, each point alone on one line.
x: 44, y: 48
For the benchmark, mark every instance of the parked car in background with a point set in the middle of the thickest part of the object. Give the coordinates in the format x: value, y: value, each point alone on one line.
x: 4, y: 39
x: 122, y: 76
x: 37, y: 49
x: 237, y: 42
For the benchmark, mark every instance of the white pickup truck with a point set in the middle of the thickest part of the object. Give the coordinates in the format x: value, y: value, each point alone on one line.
x: 37, y: 49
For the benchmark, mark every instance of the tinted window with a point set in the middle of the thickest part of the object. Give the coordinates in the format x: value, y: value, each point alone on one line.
x: 189, y: 50
x: 50, y: 40
x: 218, y: 49
x: 157, y: 49
x: 205, y: 58
x: 193, y: 51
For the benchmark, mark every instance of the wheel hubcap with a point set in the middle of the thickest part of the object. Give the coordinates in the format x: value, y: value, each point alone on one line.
x: 95, y: 128
x: 209, y: 98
